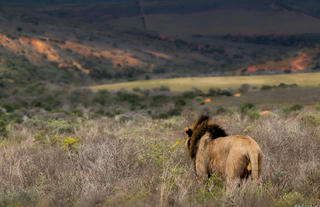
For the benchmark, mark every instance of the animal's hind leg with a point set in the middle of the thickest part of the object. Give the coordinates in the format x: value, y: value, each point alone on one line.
x: 232, y: 179
x: 234, y: 172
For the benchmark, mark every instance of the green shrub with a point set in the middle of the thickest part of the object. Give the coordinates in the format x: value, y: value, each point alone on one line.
x: 310, y: 186
x: 159, y: 100
x: 3, y: 129
x: 284, y: 85
x: 245, y: 107
x: 266, y: 87
x: 212, y: 92
x: 10, y: 107
x: 102, y: 97
x: 15, y: 117
x: 224, y: 92
x: 292, y: 108
x: 212, y: 190
x: 244, y: 88
x: 109, y: 113
x: 176, y: 111
x: 99, y: 112
x: 76, y: 112
x: 296, y: 107
x: 189, y: 94
x: 136, y: 89
x: 164, y: 88
x: 291, y: 199
x: 311, y: 120
x: 220, y: 110
x: 131, y: 98
x: 60, y: 126
x: 253, y: 114
x: 317, y: 107
x: 80, y: 96
x: 40, y: 137
x: 249, y: 110
x: 194, y: 92
x: 180, y: 103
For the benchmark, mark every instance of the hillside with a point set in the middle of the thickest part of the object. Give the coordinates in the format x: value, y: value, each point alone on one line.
x: 105, y: 41
x: 95, y: 97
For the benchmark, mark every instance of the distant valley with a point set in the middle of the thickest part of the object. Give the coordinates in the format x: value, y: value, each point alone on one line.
x: 109, y: 41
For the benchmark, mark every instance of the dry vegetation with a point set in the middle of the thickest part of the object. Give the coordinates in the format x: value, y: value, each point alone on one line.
x: 142, y: 162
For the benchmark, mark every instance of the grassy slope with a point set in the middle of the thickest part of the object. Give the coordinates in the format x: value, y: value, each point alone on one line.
x: 183, y: 84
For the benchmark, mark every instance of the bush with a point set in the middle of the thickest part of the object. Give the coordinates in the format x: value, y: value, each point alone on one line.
x: 3, y: 129
x: 295, y: 107
x: 10, y: 107
x: 76, y: 112
x: 249, y: 110
x: 245, y: 107
x: 15, y: 117
x: 176, y: 111
x: 111, y: 112
x: 80, y: 96
x: 212, y: 92
x: 194, y: 92
x: 266, y: 87
x: 40, y: 137
x: 310, y: 185
x: 180, y: 103
x: 317, y: 107
x: 164, y: 88
x: 221, y: 110
x: 244, y: 88
x: 291, y: 199
x: 131, y: 98
x: 102, y: 97
x: 70, y: 144
x: 312, y: 120
x: 284, y: 85
x: 253, y: 114
x: 224, y: 92
x: 219, y: 92
x: 136, y: 89
x: 159, y: 100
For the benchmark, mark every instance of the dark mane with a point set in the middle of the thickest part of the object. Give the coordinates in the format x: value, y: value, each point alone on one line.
x: 199, y: 128
x: 216, y: 131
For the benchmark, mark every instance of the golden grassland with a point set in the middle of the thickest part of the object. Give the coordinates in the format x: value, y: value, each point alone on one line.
x: 205, y: 83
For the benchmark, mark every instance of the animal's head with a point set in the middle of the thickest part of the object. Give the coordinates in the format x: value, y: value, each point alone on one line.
x: 194, y: 133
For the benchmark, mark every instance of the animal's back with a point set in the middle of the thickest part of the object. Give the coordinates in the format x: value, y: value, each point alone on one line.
x: 234, y: 156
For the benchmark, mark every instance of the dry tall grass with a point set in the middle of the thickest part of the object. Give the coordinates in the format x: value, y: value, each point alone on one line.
x: 142, y: 162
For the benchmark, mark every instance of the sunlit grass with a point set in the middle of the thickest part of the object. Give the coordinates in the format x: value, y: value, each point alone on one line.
x: 205, y: 83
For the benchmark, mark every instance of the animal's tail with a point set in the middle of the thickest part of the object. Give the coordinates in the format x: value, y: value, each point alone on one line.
x: 256, y: 163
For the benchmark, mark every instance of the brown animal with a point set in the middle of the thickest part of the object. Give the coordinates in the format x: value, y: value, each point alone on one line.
x: 234, y: 158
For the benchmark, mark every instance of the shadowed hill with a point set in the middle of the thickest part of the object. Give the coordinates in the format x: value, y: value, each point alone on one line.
x: 106, y: 40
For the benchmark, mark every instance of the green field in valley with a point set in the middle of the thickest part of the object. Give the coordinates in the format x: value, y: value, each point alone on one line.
x: 205, y: 83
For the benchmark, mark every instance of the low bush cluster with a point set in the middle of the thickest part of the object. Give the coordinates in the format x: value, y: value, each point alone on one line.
x: 142, y: 162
